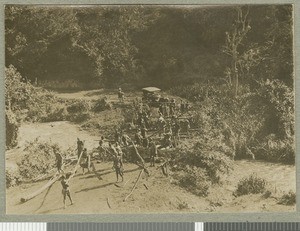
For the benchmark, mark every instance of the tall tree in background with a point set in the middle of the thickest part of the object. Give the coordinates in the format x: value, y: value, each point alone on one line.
x: 106, y: 38
x: 30, y: 31
x: 280, y: 36
x: 234, y: 40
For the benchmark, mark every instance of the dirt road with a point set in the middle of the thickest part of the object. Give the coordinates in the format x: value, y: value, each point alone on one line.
x: 92, y: 193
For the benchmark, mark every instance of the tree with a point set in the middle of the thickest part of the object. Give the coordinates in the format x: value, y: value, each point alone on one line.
x: 30, y: 31
x: 280, y: 51
x: 234, y: 40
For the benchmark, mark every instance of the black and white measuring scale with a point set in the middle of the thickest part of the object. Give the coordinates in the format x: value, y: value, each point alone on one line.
x: 153, y: 226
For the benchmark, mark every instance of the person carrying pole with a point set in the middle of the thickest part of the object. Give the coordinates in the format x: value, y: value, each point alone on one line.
x: 66, y: 188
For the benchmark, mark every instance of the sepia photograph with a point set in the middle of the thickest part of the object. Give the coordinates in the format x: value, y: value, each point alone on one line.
x: 147, y: 109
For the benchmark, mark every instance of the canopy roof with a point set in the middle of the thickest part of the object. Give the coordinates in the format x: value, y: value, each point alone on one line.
x: 151, y: 89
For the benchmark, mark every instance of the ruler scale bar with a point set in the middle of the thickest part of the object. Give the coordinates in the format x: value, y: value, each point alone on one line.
x: 151, y: 226
x: 251, y: 226
x: 142, y: 226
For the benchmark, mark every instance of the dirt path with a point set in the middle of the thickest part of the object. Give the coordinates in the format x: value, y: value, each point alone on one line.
x: 90, y: 193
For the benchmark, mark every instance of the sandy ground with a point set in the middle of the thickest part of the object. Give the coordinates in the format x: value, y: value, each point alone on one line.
x: 94, y: 194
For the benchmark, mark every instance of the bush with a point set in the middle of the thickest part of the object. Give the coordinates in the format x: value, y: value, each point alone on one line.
x: 57, y: 112
x: 31, y: 103
x: 79, y: 111
x: 238, y: 124
x: 12, y: 128
x: 12, y: 178
x: 39, y: 159
x: 194, y: 180
x: 78, y: 106
x: 250, y: 185
x: 101, y: 105
x: 277, y: 150
x: 214, y: 163
x: 288, y: 199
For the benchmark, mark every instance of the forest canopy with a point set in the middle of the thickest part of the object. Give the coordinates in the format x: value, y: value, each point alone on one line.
x: 149, y: 45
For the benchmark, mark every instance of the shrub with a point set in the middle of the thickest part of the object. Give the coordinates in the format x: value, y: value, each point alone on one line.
x: 12, y: 128
x: 101, y: 105
x: 28, y: 102
x: 78, y: 106
x: 79, y: 111
x: 277, y: 150
x: 39, y: 159
x: 183, y: 205
x: 12, y: 178
x: 194, y: 180
x: 79, y: 117
x: 246, y: 126
x: 288, y: 199
x: 214, y: 163
x: 250, y: 185
x: 57, y: 112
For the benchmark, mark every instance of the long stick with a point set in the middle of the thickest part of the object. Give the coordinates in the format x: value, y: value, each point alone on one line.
x: 134, y: 186
x: 50, y: 182
x: 137, y: 153
x: 34, y: 194
x: 95, y: 171
x: 44, y: 199
x: 107, y: 201
x: 141, y: 159
x: 76, y: 166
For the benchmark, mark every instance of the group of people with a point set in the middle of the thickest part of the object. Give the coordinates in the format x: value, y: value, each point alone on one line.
x: 168, y: 127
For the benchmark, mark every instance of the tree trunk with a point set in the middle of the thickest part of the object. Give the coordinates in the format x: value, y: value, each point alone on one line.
x: 235, y: 85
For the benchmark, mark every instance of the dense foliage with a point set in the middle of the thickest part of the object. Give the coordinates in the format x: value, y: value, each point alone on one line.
x: 196, y: 167
x: 39, y: 158
x: 257, y: 123
x: 145, y: 45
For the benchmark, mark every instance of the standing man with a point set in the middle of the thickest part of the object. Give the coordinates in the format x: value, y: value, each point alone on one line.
x: 182, y: 106
x: 85, y: 161
x: 118, y: 149
x: 101, y: 148
x: 118, y: 165
x: 80, y: 146
x: 121, y: 95
x: 59, y: 161
x: 176, y: 130
x: 66, y: 188
x: 186, y: 126
x: 143, y: 131
x: 161, y: 125
x: 153, y: 152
